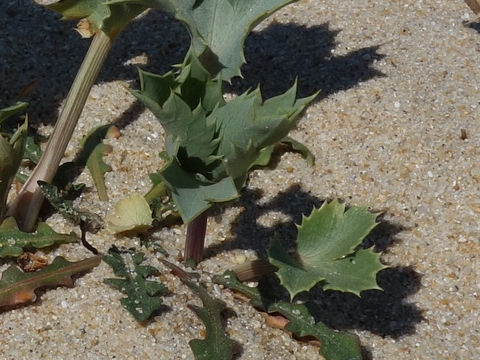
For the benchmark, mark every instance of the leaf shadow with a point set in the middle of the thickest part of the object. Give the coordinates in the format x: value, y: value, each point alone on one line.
x: 385, y: 313
x: 281, y: 53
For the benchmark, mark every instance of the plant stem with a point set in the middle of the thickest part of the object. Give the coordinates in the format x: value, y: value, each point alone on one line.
x: 29, y: 201
x: 195, y: 240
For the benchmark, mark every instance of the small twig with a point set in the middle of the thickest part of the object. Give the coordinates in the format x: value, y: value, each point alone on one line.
x: 83, y: 229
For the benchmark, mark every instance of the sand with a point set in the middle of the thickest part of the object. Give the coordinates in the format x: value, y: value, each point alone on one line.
x: 399, y: 83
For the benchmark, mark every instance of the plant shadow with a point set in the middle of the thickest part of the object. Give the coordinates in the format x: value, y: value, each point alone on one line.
x: 281, y: 53
x: 385, y: 313
x: 43, y: 62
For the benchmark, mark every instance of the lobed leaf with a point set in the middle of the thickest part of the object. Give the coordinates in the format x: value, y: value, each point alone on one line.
x: 17, y: 287
x: 335, y: 345
x: 143, y: 296
x: 216, y: 345
x: 327, y: 252
x: 13, y: 242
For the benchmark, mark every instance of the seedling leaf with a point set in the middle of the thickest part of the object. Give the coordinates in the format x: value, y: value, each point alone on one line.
x: 327, y: 252
x: 13, y: 241
x: 335, y: 345
x: 17, y: 287
x: 131, y: 214
x: 143, y: 296
x: 216, y: 345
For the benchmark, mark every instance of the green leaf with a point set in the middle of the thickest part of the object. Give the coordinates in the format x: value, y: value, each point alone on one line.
x: 219, y: 28
x: 212, y: 150
x: 143, y: 296
x: 17, y: 287
x: 300, y: 148
x: 194, y: 195
x: 32, y: 150
x: 13, y: 241
x: 327, y: 252
x: 216, y: 345
x: 334, y: 345
x: 92, y: 155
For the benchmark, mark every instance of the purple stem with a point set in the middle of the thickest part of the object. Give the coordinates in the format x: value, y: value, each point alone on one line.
x: 195, y: 240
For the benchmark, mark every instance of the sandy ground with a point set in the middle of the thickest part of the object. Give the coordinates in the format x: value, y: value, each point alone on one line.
x: 399, y: 82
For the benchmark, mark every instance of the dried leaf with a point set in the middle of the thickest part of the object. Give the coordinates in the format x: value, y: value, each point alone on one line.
x: 143, y: 296
x: 327, y: 252
x: 131, y: 214
x: 13, y: 242
x: 17, y: 287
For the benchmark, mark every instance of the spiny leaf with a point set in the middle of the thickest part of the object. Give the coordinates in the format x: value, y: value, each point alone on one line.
x: 216, y: 345
x: 334, y: 345
x: 13, y: 241
x: 130, y: 214
x: 327, y: 252
x: 211, y: 151
x: 219, y: 28
x: 143, y: 296
x: 17, y: 287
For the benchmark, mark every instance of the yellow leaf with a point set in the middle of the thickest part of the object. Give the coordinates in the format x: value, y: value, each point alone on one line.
x: 131, y: 214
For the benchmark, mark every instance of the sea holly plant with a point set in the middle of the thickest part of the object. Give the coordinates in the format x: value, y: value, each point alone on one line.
x: 212, y: 144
